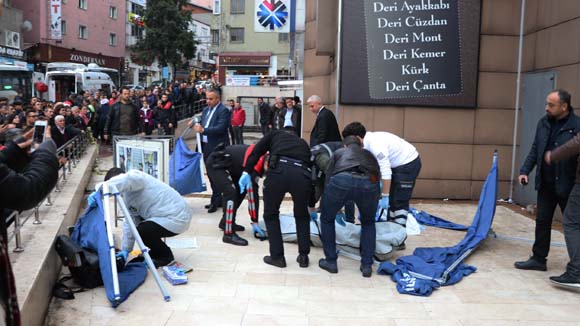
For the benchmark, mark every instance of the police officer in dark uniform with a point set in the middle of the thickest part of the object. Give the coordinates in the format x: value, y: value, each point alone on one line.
x: 288, y: 171
x: 225, y: 166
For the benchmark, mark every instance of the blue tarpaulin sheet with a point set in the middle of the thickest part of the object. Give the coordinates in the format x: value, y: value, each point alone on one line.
x: 91, y: 232
x: 185, y: 174
x: 425, y: 218
x: 429, y: 268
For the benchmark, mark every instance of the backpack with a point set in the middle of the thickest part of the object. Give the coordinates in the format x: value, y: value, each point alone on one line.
x: 83, y: 263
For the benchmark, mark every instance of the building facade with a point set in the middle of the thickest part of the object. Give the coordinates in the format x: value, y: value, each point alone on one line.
x: 74, y: 31
x: 202, y: 66
x: 456, y: 144
x: 11, y: 27
x: 135, y: 72
x: 241, y: 50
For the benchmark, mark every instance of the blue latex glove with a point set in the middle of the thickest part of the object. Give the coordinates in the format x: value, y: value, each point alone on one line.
x: 313, y: 216
x: 384, y: 202
x: 245, y: 182
x: 92, y: 199
x: 340, y: 219
x: 258, y: 232
x: 123, y: 253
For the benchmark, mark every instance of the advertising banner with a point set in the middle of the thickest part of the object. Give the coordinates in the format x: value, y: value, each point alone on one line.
x: 55, y: 19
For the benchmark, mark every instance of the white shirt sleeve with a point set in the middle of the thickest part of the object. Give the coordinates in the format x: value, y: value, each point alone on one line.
x: 380, y: 149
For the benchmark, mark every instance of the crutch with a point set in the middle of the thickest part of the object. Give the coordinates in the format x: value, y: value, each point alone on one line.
x: 140, y: 243
x: 107, y: 208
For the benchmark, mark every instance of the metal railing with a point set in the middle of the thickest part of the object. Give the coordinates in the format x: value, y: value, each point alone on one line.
x: 69, y: 155
x: 186, y: 111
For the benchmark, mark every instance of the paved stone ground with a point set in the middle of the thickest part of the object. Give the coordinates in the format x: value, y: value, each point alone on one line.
x: 232, y: 286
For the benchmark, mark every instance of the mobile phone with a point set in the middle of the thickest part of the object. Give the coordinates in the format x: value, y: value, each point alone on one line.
x: 39, y: 132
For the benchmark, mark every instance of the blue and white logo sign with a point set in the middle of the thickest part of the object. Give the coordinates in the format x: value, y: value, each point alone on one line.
x: 272, y: 16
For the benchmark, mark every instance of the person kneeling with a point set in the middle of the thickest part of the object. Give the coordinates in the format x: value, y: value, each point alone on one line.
x: 158, y: 211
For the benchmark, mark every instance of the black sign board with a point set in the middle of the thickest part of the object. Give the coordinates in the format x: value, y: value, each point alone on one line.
x: 410, y: 52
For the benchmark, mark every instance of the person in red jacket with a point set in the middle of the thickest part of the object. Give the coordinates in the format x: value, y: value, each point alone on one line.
x: 238, y: 120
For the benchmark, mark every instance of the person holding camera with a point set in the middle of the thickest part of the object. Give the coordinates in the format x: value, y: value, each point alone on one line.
x: 25, y: 179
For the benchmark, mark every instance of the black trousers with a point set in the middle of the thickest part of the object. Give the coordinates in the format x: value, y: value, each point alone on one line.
x: 402, y: 185
x: 151, y: 234
x: 238, y: 135
x: 572, y: 232
x: 547, y: 202
x: 296, y: 181
x: 216, y: 196
x: 229, y: 188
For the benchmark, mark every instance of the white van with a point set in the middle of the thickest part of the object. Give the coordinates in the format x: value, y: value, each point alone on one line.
x: 72, y: 78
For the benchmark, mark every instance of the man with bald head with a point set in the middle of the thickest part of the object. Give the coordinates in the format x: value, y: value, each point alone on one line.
x: 325, y: 127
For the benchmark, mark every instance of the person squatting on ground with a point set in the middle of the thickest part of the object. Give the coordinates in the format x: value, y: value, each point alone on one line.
x: 400, y: 165
x: 553, y: 182
x: 288, y: 171
x: 353, y: 174
x: 225, y: 167
x: 25, y: 179
x: 158, y: 211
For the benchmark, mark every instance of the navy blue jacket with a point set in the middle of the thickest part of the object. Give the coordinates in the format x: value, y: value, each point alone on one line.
x: 564, y: 170
x: 217, y: 131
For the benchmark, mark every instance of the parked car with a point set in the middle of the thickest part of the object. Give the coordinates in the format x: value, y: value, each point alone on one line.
x: 135, y: 87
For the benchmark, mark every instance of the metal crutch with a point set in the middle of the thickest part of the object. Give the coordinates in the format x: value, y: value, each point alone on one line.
x: 144, y: 249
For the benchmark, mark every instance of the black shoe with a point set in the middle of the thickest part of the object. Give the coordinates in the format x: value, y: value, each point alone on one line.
x: 212, y: 208
x: 161, y: 262
x: 366, y: 270
x: 235, y: 239
x: 302, y: 260
x: 237, y: 227
x: 566, y: 280
x: 531, y: 264
x: 278, y: 262
x: 209, y: 205
x: 328, y: 266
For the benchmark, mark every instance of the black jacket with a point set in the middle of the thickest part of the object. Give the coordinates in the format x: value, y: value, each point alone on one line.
x: 325, y: 128
x: 354, y: 158
x: 279, y: 143
x: 265, y: 114
x: 296, y: 120
x: 565, y: 170
x: 24, y: 182
x: 113, y: 124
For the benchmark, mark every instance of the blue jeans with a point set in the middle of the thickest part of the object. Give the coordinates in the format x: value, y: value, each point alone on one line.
x: 341, y: 188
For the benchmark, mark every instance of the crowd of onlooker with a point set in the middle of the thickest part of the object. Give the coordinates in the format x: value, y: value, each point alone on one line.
x: 89, y: 112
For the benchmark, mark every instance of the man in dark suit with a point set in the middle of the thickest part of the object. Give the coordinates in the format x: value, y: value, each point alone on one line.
x: 265, y: 115
x: 325, y: 128
x: 215, y: 121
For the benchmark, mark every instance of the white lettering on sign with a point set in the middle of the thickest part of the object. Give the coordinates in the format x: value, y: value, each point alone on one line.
x: 86, y: 59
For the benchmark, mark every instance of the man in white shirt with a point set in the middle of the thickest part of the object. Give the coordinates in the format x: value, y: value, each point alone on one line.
x: 400, y: 165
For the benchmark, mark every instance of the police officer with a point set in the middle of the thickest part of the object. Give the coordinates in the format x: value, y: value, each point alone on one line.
x: 224, y: 167
x: 353, y: 174
x: 400, y: 165
x: 288, y: 171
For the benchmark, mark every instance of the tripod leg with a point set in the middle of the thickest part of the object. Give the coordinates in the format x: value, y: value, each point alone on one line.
x: 143, y: 248
x: 107, y: 210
